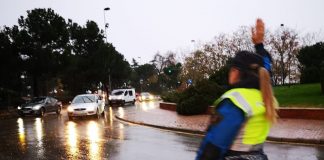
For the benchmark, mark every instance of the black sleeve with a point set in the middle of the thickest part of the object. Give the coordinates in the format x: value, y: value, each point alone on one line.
x: 267, y: 59
x: 261, y: 51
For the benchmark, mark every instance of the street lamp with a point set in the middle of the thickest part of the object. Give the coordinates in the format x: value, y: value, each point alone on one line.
x: 106, y: 24
x: 139, y: 60
x: 193, y: 42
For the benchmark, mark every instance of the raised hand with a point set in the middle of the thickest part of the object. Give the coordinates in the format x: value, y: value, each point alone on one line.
x: 258, y: 32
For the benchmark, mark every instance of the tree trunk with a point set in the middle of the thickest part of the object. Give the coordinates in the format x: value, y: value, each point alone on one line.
x: 282, y: 69
x: 35, y: 86
x: 322, y: 76
x: 322, y: 86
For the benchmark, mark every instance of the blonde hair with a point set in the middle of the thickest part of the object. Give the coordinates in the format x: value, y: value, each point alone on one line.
x: 269, y: 100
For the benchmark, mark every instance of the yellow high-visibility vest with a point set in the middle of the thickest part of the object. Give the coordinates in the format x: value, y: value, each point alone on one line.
x: 256, y: 128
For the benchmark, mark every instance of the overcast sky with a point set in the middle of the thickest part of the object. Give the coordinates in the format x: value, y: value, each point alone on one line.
x: 140, y: 28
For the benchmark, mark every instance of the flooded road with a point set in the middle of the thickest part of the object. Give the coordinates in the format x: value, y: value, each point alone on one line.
x: 55, y: 137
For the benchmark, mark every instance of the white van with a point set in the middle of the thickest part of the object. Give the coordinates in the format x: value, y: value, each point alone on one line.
x: 122, y: 96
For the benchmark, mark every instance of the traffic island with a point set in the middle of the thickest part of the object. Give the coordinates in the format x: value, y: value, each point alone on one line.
x: 291, y: 113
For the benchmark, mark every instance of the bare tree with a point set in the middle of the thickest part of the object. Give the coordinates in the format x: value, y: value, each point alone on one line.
x: 160, y: 61
x: 285, y: 45
x: 217, y: 53
x: 213, y: 55
x: 195, y: 67
x: 241, y: 40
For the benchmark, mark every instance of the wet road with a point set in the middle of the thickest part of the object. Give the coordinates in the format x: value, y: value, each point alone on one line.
x: 55, y: 137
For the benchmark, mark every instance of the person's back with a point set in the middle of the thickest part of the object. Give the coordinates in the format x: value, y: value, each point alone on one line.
x: 243, y: 115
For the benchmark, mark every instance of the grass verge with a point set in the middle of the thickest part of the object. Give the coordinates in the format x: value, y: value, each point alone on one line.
x: 303, y: 95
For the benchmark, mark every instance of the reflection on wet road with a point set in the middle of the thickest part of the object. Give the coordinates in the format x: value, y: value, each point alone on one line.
x: 55, y: 137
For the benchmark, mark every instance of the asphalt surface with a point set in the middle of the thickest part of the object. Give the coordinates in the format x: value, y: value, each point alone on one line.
x: 55, y: 137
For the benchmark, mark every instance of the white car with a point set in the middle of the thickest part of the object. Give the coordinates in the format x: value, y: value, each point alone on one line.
x: 145, y: 96
x: 122, y: 96
x: 86, y: 105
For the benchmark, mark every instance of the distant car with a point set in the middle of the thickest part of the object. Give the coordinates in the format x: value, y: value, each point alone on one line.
x: 137, y: 96
x: 39, y: 106
x: 145, y: 96
x: 122, y: 96
x: 86, y: 105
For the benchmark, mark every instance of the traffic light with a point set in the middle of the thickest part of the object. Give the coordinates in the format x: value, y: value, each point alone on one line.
x: 168, y: 71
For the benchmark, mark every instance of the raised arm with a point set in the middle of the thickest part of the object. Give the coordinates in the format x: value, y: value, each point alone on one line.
x: 257, y: 39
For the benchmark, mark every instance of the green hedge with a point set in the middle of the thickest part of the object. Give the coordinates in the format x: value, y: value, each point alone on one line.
x: 172, y: 96
x: 195, y: 99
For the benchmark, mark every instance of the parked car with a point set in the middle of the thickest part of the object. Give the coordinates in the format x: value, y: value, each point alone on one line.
x: 145, y: 96
x: 122, y: 96
x: 86, y: 105
x: 39, y: 106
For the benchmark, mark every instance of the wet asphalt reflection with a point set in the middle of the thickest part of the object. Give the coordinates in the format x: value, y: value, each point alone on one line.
x: 56, y: 137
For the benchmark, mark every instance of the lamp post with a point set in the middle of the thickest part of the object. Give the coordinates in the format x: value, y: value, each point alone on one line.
x: 106, y: 24
x: 283, y: 41
x: 139, y: 60
x: 193, y: 42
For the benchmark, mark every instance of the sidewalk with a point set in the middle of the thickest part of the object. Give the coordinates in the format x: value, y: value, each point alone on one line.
x: 286, y: 130
x: 4, y: 114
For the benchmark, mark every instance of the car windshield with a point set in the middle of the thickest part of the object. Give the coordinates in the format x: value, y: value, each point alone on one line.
x: 117, y: 93
x: 84, y: 99
x: 145, y: 94
x: 38, y: 100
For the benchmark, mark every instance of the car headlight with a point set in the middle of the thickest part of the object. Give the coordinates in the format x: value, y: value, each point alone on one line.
x: 70, y: 109
x: 19, y: 108
x: 36, y: 107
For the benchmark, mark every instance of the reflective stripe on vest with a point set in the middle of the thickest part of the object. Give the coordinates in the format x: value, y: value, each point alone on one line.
x: 256, y: 127
x: 244, y: 104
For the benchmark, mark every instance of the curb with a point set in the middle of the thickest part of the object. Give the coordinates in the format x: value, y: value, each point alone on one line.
x: 283, y: 112
x: 296, y: 140
x: 7, y: 116
x: 202, y: 133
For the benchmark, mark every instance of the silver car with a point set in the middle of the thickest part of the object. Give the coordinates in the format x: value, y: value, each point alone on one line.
x: 86, y: 105
x: 39, y: 106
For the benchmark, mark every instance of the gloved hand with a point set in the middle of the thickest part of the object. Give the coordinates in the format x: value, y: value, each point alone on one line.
x: 258, y: 32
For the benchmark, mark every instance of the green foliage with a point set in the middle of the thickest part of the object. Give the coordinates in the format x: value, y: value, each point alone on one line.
x: 322, y: 77
x: 173, y: 96
x: 221, y: 76
x: 42, y: 37
x: 171, y: 75
x: 196, y: 99
x: 310, y: 75
x: 10, y: 63
x: 304, y: 95
x: 44, y: 48
x: 143, y: 77
x: 310, y: 58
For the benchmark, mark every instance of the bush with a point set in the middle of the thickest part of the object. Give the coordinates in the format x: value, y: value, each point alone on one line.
x: 172, y: 96
x: 196, y: 99
x: 310, y: 75
x: 221, y: 76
